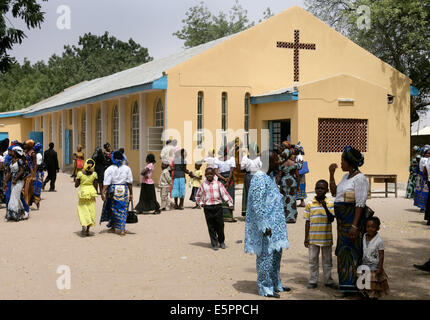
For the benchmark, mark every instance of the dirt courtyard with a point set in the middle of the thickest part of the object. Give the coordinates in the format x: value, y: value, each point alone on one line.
x: 169, y: 256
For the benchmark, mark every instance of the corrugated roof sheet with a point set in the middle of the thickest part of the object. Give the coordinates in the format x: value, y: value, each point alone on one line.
x: 140, y: 75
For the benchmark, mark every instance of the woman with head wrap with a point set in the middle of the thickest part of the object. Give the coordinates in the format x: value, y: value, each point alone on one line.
x: 265, y: 227
x: 224, y: 168
x: 117, y: 193
x: 31, y: 161
x: 287, y: 179
x: 250, y: 164
x: 99, y: 158
x: 16, y: 174
x: 421, y: 189
x: 351, y: 195
x: 87, y: 180
x: 38, y: 182
x: 301, y: 188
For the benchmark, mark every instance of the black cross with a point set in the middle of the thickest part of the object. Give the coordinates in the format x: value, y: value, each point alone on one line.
x: 296, y: 45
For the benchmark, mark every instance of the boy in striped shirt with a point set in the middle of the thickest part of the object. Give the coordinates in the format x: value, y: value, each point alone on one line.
x: 210, y: 197
x: 319, y: 214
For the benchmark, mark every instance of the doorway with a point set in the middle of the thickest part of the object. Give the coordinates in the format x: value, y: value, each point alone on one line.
x: 280, y: 130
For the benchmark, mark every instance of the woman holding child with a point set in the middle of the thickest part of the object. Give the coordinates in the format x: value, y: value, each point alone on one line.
x: 351, y: 194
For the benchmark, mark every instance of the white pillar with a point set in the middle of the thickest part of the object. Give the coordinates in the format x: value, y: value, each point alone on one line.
x: 122, y: 126
x: 75, y: 122
x: 54, y: 132
x: 63, y: 134
x: 88, y: 132
x: 45, y: 132
x: 143, y: 140
x: 103, y: 114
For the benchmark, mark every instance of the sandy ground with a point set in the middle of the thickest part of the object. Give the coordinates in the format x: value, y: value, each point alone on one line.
x: 169, y: 256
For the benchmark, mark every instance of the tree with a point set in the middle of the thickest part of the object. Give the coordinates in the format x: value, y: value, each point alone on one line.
x: 398, y: 33
x: 27, y: 10
x: 201, y: 26
x: 93, y: 57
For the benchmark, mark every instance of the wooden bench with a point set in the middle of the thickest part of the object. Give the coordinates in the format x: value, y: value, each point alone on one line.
x: 382, y: 178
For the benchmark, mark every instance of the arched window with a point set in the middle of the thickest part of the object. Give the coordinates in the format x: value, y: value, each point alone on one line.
x: 83, y: 129
x: 99, y: 128
x: 200, y: 120
x: 224, y: 120
x: 159, y: 114
x: 246, y: 120
x: 115, y: 128
x: 135, y: 127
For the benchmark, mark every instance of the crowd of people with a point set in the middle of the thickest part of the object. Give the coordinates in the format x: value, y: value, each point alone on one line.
x: 273, y: 184
x: 419, y: 185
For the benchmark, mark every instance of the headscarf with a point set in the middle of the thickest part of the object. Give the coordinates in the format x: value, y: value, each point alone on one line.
x: 37, y: 147
x: 29, y: 143
x: 88, y: 166
x: 117, y: 162
x: 353, y: 157
x: 300, y: 149
x: 18, y: 150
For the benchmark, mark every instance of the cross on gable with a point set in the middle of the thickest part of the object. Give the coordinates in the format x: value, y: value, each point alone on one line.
x: 296, y: 45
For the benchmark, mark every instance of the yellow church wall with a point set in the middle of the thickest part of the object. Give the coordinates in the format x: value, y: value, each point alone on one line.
x: 388, y: 136
x: 182, y: 107
x: 251, y: 58
x: 17, y: 128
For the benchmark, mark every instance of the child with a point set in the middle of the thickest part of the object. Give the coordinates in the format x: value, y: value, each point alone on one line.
x: 178, y: 186
x: 210, y: 196
x: 164, y: 185
x: 87, y: 180
x: 318, y: 235
x: 196, y: 181
x: 148, y: 199
x: 373, y: 257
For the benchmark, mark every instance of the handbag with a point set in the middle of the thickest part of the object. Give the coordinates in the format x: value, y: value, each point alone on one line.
x: 304, y: 169
x: 131, y: 215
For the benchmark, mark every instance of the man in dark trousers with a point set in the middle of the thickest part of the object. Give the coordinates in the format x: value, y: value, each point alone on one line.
x: 51, y: 161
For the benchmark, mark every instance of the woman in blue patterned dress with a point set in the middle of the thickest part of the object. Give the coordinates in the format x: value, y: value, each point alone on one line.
x: 116, y: 194
x: 265, y: 228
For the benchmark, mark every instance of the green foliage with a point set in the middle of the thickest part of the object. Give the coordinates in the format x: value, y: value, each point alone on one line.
x: 27, y: 10
x: 201, y: 26
x: 93, y: 57
x: 399, y: 34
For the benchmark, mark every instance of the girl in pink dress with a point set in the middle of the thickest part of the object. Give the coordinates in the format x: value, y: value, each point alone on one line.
x: 148, y: 199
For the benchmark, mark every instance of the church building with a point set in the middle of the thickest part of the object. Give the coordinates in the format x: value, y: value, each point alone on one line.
x: 291, y: 77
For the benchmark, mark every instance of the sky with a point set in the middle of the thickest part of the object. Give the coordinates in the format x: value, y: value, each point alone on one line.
x: 150, y: 23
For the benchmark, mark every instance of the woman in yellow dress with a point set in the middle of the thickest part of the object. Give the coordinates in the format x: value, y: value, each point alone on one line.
x: 87, y: 180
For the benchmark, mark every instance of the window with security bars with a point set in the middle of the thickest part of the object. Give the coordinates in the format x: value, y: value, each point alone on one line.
x: 335, y: 134
x: 246, y: 120
x: 60, y: 141
x: 135, y: 127
x: 159, y: 114
x: 83, y: 129
x: 99, y: 128
x: 200, y: 120
x: 155, y: 142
